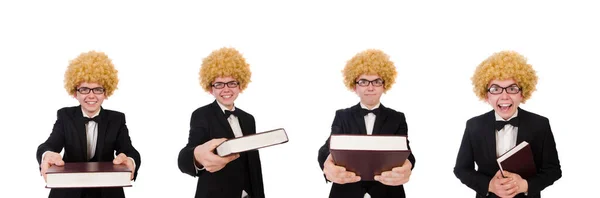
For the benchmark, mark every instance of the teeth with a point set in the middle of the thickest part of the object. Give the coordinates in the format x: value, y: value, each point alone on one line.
x: 226, y: 96
x: 504, y: 105
x: 91, y: 102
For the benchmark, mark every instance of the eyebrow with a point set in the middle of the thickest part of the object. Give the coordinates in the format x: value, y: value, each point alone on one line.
x: 514, y: 84
x: 370, y: 80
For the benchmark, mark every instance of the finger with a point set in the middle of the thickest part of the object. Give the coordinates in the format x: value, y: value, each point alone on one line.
x: 407, y: 164
x: 347, y: 174
x: 60, y: 162
x: 400, y: 169
x: 498, y: 174
x: 390, y: 181
x: 122, y: 155
x: 336, y: 169
x: 215, y: 142
x: 232, y: 157
x: 350, y: 179
x: 118, y: 160
x: 393, y: 174
x: 505, y: 181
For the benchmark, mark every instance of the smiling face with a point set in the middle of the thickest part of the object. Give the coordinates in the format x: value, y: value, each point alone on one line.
x: 369, y: 94
x: 90, y: 102
x: 505, y: 104
x: 225, y: 91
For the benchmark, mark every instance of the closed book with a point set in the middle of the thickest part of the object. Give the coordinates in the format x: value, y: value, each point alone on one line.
x: 368, y: 155
x: 518, y: 160
x: 252, y: 142
x: 88, y: 175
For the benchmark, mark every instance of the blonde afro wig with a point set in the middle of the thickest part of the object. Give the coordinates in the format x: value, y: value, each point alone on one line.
x: 505, y: 65
x: 370, y: 62
x: 224, y: 62
x: 91, y: 67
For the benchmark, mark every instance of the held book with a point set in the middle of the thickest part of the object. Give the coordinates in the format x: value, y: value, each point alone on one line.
x: 252, y: 142
x: 368, y: 155
x: 88, y: 175
x: 518, y: 160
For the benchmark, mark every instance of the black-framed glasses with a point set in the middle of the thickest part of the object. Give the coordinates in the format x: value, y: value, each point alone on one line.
x: 512, y: 89
x: 86, y: 90
x: 230, y: 84
x: 365, y: 83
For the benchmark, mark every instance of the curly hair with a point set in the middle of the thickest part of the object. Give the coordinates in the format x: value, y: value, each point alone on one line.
x: 91, y: 67
x: 370, y: 62
x: 502, y: 66
x: 224, y: 62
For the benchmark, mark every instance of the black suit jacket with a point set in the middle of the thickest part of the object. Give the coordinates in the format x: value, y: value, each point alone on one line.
x: 479, y: 146
x: 207, y: 123
x: 69, y: 133
x: 350, y: 121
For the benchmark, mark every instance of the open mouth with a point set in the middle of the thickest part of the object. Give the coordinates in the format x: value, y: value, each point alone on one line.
x: 504, y: 107
x: 91, y: 102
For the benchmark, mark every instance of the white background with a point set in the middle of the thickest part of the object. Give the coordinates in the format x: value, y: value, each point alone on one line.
x: 297, y: 51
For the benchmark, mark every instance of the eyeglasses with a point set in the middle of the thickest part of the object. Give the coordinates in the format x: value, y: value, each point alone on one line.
x: 86, y: 90
x: 495, y: 89
x: 365, y: 83
x: 230, y: 84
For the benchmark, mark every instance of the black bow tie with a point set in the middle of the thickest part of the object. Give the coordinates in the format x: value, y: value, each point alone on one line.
x: 500, y: 124
x: 95, y: 119
x: 364, y: 112
x: 228, y: 113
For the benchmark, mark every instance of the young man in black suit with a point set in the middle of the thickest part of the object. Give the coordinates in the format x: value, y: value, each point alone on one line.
x: 224, y: 73
x: 89, y: 133
x: 369, y: 74
x: 504, y: 80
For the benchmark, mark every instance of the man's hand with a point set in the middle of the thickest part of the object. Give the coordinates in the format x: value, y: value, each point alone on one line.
x: 503, y: 187
x: 50, y: 159
x: 123, y: 159
x: 204, y: 154
x: 338, y: 174
x: 397, y: 176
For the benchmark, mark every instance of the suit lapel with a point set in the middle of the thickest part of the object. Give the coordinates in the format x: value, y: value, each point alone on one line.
x: 102, y: 127
x: 523, y: 127
x: 228, y: 133
x: 80, y: 132
x: 244, y: 123
x: 489, y: 131
x: 379, y: 120
x: 360, y: 120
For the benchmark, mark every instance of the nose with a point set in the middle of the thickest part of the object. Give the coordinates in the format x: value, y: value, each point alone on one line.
x: 371, y: 87
x: 226, y: 89
x: 504, y: 95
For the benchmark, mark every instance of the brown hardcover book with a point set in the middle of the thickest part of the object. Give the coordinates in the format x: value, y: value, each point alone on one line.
x: 88, y: 175
x: 518, y: 160
x: 252, y: 142
x: 368, y: 155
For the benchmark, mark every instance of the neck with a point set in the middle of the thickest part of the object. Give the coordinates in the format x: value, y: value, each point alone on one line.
x: 228, y: 107
x: 370, y: 105
x: 91, y: 114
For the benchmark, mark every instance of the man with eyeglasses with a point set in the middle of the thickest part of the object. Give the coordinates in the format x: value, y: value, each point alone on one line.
x: 224, y: 74
x: 369, y: 74
x: 505, y: 80
x: 88, y: 132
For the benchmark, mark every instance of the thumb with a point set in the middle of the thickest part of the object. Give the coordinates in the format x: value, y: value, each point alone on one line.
x: 59, y: 163
x: 118, y: 160
x: 216, y: 142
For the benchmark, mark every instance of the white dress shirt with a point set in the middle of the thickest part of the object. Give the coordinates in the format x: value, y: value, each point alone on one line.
x: 369, y: 124
x: 506, y: 138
